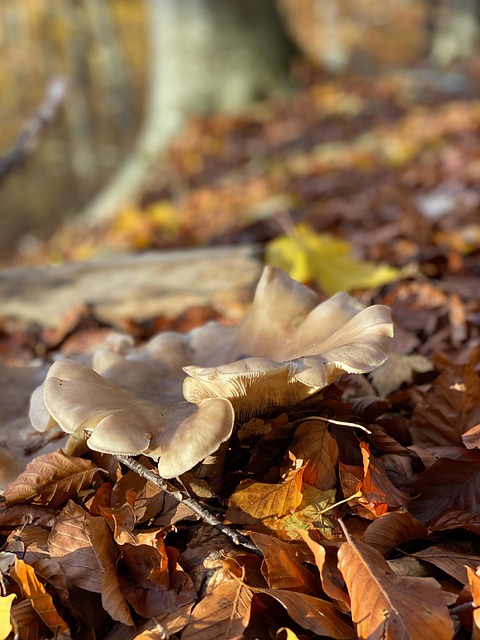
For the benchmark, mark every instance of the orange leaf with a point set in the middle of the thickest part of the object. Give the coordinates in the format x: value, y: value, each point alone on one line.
x: 51, y: 480
x: 40, y: 600
x: 282, y: 564
x: 332, y: 580
x: 474, y: 582
x: 254, y: 501
x: 378, y: 492
x: 390, y: 606
x: 313, y: 443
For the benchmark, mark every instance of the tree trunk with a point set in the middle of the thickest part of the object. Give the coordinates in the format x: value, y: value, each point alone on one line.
x: 205, y: 56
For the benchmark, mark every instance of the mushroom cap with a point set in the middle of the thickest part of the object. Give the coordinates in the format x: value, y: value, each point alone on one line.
x: 287, y: 347
x: 120, y: 422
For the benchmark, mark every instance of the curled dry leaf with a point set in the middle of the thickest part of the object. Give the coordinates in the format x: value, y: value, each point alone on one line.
x: 286, y: 348
x: 50, y: 480
x: 84, y: 549
x: 389, y: 606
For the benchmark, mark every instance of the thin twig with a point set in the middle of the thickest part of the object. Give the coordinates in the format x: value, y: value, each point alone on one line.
x: 463, y: 607
x: 30, y: 133
x: 205, y: 515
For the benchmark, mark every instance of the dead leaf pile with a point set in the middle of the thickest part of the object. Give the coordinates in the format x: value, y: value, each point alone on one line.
x: 363, y: 501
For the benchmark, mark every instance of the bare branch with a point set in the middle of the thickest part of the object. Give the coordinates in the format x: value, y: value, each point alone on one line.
x: 30, y: 134
x: 205, y: 515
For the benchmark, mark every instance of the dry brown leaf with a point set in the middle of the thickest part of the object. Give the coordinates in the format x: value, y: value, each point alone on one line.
x: 253, y: 501
x: 159, y: 627
x: 378, y: 492
x: 51, y: 480
x: 453, y: 563
x: 314, y: 614
x: 222, y: 614
x: 282, y: 565
x: 449, y: 409
x: 326, y: 561
x: 83, y: 547
x: 314, y: 444
x: 447, y: 484
x: 389, y: 606
x: 393, y: 529
x: 25, y: 576
x: 474, y: 582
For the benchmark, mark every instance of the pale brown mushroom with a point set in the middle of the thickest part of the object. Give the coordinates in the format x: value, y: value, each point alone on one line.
x: 287, y: 347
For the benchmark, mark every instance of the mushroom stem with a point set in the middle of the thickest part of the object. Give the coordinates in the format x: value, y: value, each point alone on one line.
x: 205, y: 515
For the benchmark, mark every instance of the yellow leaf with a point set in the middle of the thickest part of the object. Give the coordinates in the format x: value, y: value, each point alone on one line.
x: 308, y: 512
x: 326, y: 260
x: 5, y: 622
x: 258, y: 500
x: 286, y: 634
x: 25, y: 576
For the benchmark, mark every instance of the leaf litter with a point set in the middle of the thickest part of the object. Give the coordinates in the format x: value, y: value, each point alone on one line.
x: 332, y: 508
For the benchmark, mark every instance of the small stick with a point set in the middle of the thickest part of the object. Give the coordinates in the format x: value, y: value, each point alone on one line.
x: 205, y: 515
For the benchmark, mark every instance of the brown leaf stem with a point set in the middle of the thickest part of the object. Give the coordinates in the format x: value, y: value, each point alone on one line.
x: 204, y: 514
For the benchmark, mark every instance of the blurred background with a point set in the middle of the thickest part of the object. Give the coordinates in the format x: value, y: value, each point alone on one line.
x: 125, y: 115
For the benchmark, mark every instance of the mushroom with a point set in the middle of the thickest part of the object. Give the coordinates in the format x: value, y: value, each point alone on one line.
x: 287, y: 347
x: 120, y: 422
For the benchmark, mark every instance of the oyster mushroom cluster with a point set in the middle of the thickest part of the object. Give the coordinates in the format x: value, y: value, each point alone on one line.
x: 176, y: 398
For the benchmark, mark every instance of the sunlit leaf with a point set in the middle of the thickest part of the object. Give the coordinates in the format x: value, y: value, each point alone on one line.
x: 5, y: 608
x: 51, y: 480
x: 40, y: 600
x: 388, y: 606
x: 328, y: 261
x: 254, y: 501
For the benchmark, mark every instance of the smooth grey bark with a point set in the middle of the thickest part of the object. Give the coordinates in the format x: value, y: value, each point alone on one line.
x: 205, y: 56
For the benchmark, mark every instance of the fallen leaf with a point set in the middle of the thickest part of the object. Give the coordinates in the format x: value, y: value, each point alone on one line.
x: 84, y: 548
x: 254, y: 501
x: 474, y: 582
x: 326, y: 561
x: 389, y: 606
x: 221, y: 614
x: 397, y: 370
x: 5, y: 613
x: 314, y: 444
x: 317, y: 615
x: 319, y: 257
x: 393, y: 529
x: 453, y: 563
x: 447, y: 484
x: 449, y: 409
x: 282, y: 565
x: 25, y: 576
x: 28, y: 623
x: 51, y: 480
x: 308, y: 513
x: 378, y: 492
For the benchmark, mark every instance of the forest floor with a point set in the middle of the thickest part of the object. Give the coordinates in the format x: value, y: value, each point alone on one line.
x: 376, y: 531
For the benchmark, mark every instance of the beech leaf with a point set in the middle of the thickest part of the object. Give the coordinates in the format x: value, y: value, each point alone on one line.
x: 254, y: 501
x: 314, y: 614
x: 40, y: 600
x: 328, y: 261
x: 390, y: 606
x: 84, y: 548
x: 51, y: 480
x: 5, y: 622
x: 222, y: 613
